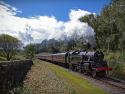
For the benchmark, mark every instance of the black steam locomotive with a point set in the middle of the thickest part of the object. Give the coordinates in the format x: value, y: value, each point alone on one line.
x: 87, y: 62
x: 91, y: 62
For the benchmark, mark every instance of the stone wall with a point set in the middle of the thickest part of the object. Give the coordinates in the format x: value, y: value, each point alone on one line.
x: 12, y: 74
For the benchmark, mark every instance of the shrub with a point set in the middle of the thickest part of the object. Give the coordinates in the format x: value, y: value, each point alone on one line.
x: 116, y: 62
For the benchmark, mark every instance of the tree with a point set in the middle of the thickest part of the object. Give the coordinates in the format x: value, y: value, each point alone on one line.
x: 122, y: 44
x: 8, y: 46
x: 53, y: 46
x: 109, y: 25
x: 30, y: 51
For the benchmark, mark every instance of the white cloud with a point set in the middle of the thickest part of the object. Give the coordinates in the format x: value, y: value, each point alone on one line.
x: 76, y: 14
x: 36, y: 29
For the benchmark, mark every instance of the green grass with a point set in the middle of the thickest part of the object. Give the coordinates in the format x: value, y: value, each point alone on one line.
x: 16, y: 57
x: 42, y: 80
x: 2, y: 58
x: 52, y: 79
x: 19, y: 57
x: 81, y: 85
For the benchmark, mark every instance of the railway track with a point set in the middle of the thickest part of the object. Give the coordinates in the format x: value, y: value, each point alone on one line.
x: 108, y: 80
x: 110, y: 85
x: 114, y: 82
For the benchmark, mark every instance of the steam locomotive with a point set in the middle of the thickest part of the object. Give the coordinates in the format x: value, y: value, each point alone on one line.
x: 91, y: 62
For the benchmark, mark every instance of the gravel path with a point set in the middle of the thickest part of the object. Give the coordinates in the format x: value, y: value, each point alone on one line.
x: 41, y: 80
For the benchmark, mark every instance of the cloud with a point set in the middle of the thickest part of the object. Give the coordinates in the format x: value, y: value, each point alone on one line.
x: 36, y: 29
x: 76, y: 14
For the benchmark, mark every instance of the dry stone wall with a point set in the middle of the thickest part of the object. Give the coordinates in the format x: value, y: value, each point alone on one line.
x: 12, y: 74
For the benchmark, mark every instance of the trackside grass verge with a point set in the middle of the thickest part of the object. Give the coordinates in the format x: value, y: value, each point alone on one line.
x: 47, y: 78
x: 81, y: 85
x: 42, y: 80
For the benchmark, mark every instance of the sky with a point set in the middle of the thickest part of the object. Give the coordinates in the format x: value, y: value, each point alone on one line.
x: 32, y: 21
x: 57, y: 8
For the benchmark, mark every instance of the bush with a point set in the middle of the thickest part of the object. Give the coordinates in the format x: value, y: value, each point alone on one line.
x: 118, y: 70
x: 116, y: 62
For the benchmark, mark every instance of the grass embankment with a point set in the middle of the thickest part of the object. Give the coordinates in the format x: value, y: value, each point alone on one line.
x: 46, y: 78
x: 16, y: 57
x: 80, y: 85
